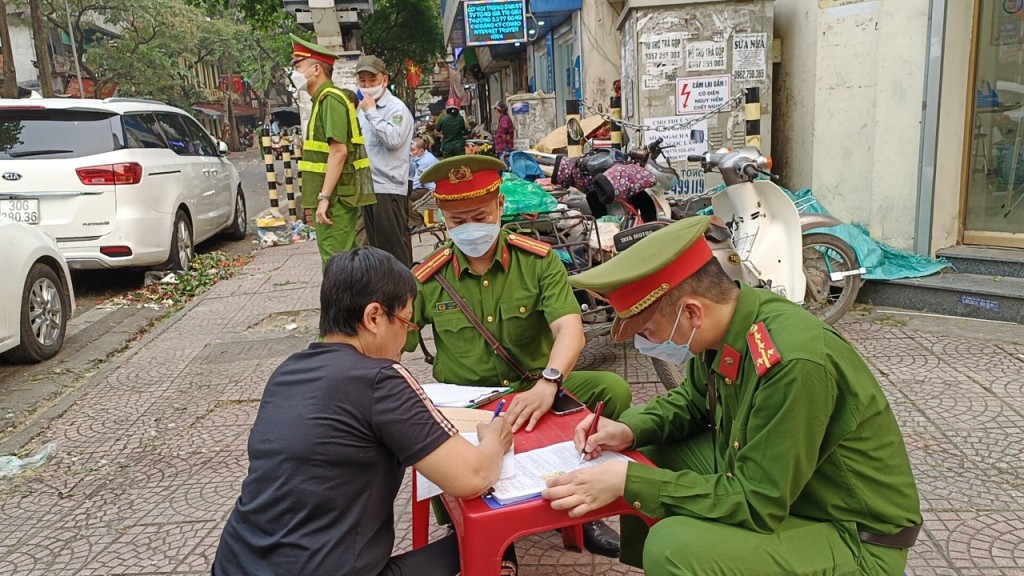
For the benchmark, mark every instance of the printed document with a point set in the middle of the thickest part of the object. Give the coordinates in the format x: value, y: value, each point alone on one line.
x: 455, y: 396
x: 465, y: 421
x: 533, y: 469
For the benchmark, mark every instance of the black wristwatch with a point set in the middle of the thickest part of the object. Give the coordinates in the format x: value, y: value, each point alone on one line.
x: 553, y: 375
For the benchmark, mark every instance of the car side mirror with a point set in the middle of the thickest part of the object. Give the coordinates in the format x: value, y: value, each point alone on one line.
x: 222, y: 147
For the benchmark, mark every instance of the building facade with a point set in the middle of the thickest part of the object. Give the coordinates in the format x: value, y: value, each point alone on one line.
x: 570, y: 49
x: 906, y: 116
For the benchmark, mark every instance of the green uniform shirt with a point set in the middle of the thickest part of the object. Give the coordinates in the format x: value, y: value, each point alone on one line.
x: 516, y: 299
x: 331, y: 123
x: 453, y: 132
x: 814, y: 437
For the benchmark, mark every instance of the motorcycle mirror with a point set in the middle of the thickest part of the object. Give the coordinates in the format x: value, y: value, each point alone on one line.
x: 575, y: 130
x: 697, y: 136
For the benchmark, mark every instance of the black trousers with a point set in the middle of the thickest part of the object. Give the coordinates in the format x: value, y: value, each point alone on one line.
x: 387, y: 226
x: 439, y: 558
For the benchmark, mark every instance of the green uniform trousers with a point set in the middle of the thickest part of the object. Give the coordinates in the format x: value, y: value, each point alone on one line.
x: 339, y: 236
x: 588, y: 387
x: 684, y: 545
x: 592, y: 387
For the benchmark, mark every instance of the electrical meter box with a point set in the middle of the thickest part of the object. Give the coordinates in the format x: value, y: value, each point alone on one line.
x: 682, y: 59
x: 533, y: 116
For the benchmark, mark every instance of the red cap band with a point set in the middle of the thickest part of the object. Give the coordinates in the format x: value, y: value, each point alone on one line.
x: 624, y: 298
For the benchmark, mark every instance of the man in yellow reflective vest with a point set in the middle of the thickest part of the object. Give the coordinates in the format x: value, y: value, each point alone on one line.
x: 335, y: 170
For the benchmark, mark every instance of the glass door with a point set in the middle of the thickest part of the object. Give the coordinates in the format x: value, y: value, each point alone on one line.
x: 994, y: 206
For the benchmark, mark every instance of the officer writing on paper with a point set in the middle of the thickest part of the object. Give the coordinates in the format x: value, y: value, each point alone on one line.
x: 779, y: 453
x: 337, y: 427
x: 522, y: 325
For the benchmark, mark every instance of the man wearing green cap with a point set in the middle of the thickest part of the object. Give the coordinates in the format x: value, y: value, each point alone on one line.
x: 335, y: 170
x: 388, y: 126
x: 803, y: 470
x: 517, y: 289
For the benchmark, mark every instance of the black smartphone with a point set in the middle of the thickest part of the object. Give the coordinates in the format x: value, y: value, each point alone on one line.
x: 565, y: 404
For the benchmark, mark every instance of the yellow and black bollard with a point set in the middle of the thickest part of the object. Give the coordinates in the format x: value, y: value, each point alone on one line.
x: 268, y: 160
x: 616, y: 128
x: 752, y: 115
x: 289, y: 190
x: 574, y: 139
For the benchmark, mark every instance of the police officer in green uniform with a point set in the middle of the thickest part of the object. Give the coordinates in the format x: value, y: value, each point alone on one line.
x: 779, y: 453
x: 518, y: 289
x: 335, y: 169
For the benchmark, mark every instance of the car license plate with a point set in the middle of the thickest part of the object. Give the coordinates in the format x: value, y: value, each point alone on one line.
x: 21, y: 210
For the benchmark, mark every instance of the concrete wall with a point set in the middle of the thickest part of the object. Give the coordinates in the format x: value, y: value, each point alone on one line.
x: 856, y: 73
x: 952, y: 124
x: 24, y: 55
x: 600, y: 41
x: 796, y: 24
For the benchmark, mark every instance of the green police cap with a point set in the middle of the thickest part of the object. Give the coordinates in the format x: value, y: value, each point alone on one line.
x: 638, y: 277
x: 302, y: 49
x: 370, y: 63
x: 465, y: 182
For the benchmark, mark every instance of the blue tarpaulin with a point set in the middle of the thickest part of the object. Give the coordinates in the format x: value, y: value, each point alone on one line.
x: 883, y: 262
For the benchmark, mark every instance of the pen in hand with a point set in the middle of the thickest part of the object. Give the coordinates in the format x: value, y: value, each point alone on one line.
x: 497, y: 411
x: 591, y: 430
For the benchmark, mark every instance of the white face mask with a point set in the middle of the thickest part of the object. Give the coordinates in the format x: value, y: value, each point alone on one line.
x: 374, y: 92
x: 299, y: 79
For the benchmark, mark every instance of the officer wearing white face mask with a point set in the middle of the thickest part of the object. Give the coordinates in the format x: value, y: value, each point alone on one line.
x: 388, y: 127
x: 778, y: 454
x: 334, y: 166
x: 517, y: 290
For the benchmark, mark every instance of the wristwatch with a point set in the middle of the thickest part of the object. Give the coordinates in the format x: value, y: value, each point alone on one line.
x: 323, y: 196
x: 553, y: 375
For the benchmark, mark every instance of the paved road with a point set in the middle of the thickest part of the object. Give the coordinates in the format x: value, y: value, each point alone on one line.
x: 153, y: 448
x: 102, y: 328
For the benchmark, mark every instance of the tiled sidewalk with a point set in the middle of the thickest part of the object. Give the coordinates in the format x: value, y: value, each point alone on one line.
x: 152, y: 454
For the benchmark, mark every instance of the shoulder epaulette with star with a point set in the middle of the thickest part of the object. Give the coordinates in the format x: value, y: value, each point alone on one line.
x: 426, y: 269
x: 762, y: 348
x: 531, y: 245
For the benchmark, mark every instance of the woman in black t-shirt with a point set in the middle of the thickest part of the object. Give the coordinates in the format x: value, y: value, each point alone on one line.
x: 337, y: 426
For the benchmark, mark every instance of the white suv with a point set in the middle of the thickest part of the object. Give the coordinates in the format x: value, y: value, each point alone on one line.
x: 117, y: 182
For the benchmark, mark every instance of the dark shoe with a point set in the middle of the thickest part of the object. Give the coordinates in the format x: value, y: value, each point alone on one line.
x: 599, y: 538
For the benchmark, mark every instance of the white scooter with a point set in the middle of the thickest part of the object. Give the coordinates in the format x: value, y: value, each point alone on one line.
x: 768, y: 235
x: 760, y: 237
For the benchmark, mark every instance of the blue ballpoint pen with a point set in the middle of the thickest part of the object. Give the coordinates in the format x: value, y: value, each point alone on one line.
x: 497, y: 411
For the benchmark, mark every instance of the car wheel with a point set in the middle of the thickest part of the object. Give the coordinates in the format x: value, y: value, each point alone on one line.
x: 45, y: 306
x: 239, y: 226
x: 183, y: 248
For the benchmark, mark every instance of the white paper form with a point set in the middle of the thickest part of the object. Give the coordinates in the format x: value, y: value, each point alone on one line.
x: 533, y: 468
x: 455, y: 396
x: 427, y: 489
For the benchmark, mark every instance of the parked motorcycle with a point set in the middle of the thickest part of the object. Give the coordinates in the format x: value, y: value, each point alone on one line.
x: 758, y: 234
x: 760, y: 237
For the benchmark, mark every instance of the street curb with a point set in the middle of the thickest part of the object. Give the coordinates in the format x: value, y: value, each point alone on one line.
x: 30, y: 430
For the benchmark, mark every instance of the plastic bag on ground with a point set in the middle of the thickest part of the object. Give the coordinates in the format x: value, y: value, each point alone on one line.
x: 12, y: 464
x: 272, y: 229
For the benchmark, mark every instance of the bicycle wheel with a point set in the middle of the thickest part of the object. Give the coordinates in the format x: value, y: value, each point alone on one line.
x: 830, y: 293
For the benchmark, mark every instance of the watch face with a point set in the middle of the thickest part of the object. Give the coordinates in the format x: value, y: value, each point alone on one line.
x: 551, y: 374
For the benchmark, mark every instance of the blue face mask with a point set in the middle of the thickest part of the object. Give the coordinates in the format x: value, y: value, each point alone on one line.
x: 474, y: 238
x: 668, y: 350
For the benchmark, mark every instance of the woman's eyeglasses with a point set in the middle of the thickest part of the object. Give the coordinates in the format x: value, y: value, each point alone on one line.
x: 408, y: 325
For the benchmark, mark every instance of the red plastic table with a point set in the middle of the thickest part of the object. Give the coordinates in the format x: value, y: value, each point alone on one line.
x: 484, y: 533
